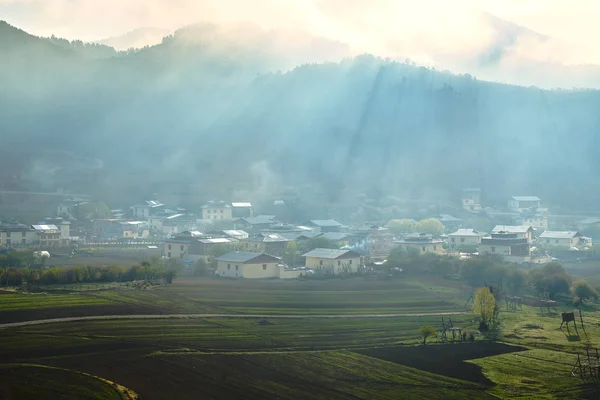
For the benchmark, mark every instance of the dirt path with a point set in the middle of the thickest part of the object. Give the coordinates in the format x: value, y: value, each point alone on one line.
x: 191, y: 316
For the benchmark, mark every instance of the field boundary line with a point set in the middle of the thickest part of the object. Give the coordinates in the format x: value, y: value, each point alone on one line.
x: 245, y: 316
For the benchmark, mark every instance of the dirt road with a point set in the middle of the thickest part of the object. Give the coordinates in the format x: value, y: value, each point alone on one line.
x: 191, y: 316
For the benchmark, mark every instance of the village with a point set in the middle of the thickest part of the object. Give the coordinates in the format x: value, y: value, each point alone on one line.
x: 241, y: 243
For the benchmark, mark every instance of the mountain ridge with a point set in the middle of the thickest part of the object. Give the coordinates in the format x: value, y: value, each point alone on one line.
x: 189, y: 119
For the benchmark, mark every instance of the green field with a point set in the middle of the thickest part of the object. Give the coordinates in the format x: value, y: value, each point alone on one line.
x: 295, y: 358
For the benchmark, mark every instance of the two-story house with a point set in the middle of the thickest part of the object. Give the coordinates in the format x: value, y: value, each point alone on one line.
x: 464, y: 238
x: 422, y: 243
x: 272, y: 243
x: 332, y: 261
x: 242, y: 210
x: 510, y: 246
x: 146, y: 209
x: 536, y: 220
x: 521, y: 203
x: 16, y: 235
x: 48, y: 235
x: 217, y: 210
x: 562, y: 239
x: 521, y: 231
x: 63, y: 225
x: 471, y: 199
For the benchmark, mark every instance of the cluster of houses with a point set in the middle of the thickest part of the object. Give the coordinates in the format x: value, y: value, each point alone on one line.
x: 49, y: 233
x: 244, y: 264
x: 258, y: 242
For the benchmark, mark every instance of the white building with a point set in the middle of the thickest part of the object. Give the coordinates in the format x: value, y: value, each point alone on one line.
x: 464, y: 238
x: 522, y: 203
x: 521, y: 231
x: 217, y: 210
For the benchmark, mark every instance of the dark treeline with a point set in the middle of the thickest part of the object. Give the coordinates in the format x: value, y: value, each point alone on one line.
x: 14, y: 276
x: 550, y: 281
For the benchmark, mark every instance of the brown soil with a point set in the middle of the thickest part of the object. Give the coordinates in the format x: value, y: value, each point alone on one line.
x: 446, y: 359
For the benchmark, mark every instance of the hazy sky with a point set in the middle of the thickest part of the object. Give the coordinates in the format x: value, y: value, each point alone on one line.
x: 384, y: 27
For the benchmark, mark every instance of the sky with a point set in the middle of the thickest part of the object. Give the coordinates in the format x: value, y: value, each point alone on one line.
x: 425, y: 31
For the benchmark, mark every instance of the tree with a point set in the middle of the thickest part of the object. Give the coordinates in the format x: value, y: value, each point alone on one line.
x: 93, y: 210
x: 516, y: 280
x: 318, y: 243
x: 290, y: 253
x: 398, y: 226
x: 550, y: 280
x: 427, y: 331
x: 484, y: 304
x: 430, y: 226
x: 200, y: 268
x: 583, y: 290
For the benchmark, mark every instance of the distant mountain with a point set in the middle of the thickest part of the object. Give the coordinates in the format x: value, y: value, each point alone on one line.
x: 206, y: 111
x: 136, y: 38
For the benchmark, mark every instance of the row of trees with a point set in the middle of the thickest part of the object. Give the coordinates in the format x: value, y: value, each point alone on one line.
x: 430, y: 226
x: 548, y: 281
x: 72, y: 275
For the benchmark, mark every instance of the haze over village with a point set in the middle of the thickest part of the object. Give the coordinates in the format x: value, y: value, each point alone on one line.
x: 299, y: 199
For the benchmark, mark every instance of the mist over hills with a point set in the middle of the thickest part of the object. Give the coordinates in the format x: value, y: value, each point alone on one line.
x: 221, y: 113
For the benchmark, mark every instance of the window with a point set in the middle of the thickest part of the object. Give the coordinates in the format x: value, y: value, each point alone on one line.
x: 264, y: 267
x: 453, y: 240
x: 462, y: 240
x: 339, y: 263
x: 228, y: 266
x: 237, y: 267
x: 434, y: 247
x: 169, y: 254
x: 208, y: 211
x: 320, y: 262
x: 23, y: 234
x: 169, y: 247
x: 7, y: 234
x: 547, y: 240
x: 350, y: 262
x: 23, y: 241
x: 423, y: 248
x: 493, y: 249
x: 181, y: 247
x: 556, y: 241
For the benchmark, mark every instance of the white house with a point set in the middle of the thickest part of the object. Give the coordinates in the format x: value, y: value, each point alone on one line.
x: 564, y: 239
x: 332, y: 261
x: 243, y: 264
x: 522, y: 231
x: 471, y: 199
x: 464, y: 238
x: 217, y: 210
x: 422, y: 243
x: 146, y: 209
x: 17, y: 235
x: 520, y: 203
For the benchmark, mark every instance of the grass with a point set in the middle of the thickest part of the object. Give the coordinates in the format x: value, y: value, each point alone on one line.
x: 18, y: 381
x: 533, y: 374
x: 296, y: 358
x: 27, y: 301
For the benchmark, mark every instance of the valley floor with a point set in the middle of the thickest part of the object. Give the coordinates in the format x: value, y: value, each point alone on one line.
x: 277, y: 342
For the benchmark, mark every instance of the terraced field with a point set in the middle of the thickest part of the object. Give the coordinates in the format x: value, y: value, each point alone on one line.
x: 348, y: 357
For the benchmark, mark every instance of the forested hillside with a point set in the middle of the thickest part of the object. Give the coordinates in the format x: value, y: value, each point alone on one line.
x: 209, y: 113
